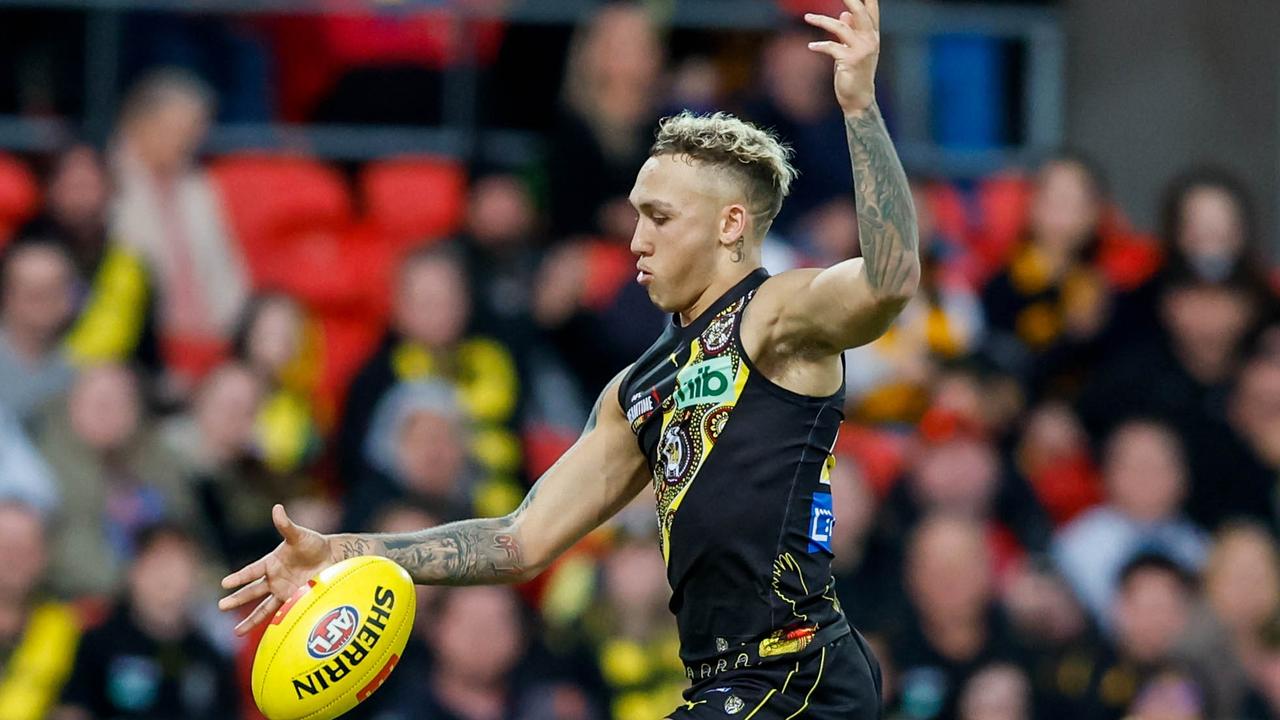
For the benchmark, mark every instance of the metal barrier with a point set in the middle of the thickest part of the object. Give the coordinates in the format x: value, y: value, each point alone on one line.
x: 907, y: 31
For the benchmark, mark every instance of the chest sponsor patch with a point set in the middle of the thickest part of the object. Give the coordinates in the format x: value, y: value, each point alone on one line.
x: 709, y: 381
x: 821, y: 520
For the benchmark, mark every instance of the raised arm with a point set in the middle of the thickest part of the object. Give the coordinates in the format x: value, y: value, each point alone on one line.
x: 601, y: 473
x: 853, y: 302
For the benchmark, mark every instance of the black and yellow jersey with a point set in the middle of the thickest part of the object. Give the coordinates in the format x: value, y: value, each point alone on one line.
x: 741, y: 473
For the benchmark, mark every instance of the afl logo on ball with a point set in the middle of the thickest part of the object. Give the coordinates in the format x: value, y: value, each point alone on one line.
x: 333, y: 632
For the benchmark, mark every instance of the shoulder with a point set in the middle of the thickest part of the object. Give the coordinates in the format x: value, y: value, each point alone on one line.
x: 771, y: 298
x: 778, y: 322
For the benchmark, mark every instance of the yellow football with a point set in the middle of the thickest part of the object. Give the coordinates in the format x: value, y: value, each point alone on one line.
x: 335, y: 641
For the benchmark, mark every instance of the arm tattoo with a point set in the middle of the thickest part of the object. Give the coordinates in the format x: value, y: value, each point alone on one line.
x: 353, y: 546
x: 886, y: 216
x: 471, y: 552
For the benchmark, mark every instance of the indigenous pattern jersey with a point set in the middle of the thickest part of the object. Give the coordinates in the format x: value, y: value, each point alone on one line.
x: 741, y: 471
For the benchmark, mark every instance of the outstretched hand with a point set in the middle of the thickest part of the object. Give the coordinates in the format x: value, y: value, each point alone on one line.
x: 279, y: 573
x: 855, y: 49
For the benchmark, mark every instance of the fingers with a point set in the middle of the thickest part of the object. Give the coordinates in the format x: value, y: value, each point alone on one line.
x: 826, y: 47
x: 862, y: 18
x: 290, y: 532
x: 873, y: 9
x: 252, y: 591
x: 265, y: 609
x: 833, y: 26
x: 253, y: 571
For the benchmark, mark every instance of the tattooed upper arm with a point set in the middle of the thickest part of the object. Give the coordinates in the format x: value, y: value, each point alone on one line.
x: 887, y: 228
x: 821, y: 313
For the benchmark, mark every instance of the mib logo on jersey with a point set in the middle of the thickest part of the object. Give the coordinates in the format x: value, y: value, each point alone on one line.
x: 709, y: 381
x: 822, y: 519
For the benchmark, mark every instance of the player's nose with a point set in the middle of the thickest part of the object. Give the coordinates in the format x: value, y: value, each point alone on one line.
x: 639, y: 245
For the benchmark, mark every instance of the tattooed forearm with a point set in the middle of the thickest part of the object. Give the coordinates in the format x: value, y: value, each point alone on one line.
x: 886, y: 216
x: 350, y: 546
x: 471, y: 552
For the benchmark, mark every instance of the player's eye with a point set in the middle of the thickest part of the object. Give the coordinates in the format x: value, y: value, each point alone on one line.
x: 659, y: 220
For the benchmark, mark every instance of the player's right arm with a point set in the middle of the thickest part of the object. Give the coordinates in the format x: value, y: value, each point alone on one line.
x: 595, y: 478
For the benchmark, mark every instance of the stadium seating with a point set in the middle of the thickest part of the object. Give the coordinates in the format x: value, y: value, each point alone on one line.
x: 414, y: 199
x: 274, y: 197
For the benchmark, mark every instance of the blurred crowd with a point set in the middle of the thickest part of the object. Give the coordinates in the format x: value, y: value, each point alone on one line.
x: 1056, y: 486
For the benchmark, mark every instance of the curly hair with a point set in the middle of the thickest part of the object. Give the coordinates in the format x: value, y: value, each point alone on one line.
x: 756, y: 157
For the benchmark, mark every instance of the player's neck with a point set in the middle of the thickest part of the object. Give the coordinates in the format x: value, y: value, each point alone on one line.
x: 721, y: 284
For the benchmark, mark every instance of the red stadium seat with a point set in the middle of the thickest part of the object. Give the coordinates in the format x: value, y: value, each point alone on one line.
x: 19, y: 195
x: 270, y: 197
x: 349, y: 340
x: 332, y: 269
x: 1003, y: 202
x: 948, y: 208
x: 414, y: 199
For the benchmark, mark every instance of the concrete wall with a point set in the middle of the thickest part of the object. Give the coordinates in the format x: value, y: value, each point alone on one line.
x: 1156, y: 85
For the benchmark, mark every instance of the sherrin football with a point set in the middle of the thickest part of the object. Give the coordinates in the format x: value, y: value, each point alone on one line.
x: 335, y: 641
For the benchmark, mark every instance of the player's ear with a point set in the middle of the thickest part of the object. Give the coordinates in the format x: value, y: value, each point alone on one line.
x: 734, y: 224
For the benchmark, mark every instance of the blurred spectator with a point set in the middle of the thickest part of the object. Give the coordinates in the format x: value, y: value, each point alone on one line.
x: 115, y: 476
x: 501, y: 248
x: 216, y: 442
x: 36, y: 303
x: 1263, y: 702
x: 695, y: 85
x: 1242, y: 594
x: 593, y: 312
x: 174, y: 254
x: 889, y: 380
x: 76, y: 194
x: 1054, y: 455
x: 601, y: 138
x: 636, y: 643
x: 1209, y: 231
x: 24, y: 475
x: 955, y: 468
x: 796, y: 85
x: 1063, y: 644
x: 478, y: 637
x: 1150, y: 613
x: 1246, y: 450
x: 37, y: 636
x: 275, y: 340
x: 147, y: 660
x: 998, y: 692
x: 956, y: 629
x: 1184, y: 380
x: 1051, y: 301
x: 429, y: 340
x: 1146, y: 480
x: 416, y: 449
x: 1170, y: 695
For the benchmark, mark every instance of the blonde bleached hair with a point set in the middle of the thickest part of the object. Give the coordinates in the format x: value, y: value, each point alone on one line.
x: 753, y: 156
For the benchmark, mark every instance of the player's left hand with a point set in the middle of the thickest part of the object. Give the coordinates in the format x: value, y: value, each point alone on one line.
x: 856, y: 50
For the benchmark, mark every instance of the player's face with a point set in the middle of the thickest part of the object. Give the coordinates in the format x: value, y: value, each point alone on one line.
x: 680, y: 205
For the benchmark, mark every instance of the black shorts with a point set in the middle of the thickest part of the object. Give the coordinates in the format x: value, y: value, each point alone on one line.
x: 840, y: 681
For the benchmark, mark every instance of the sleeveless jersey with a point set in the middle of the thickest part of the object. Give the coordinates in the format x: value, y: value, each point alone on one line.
x: 741, y: 473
